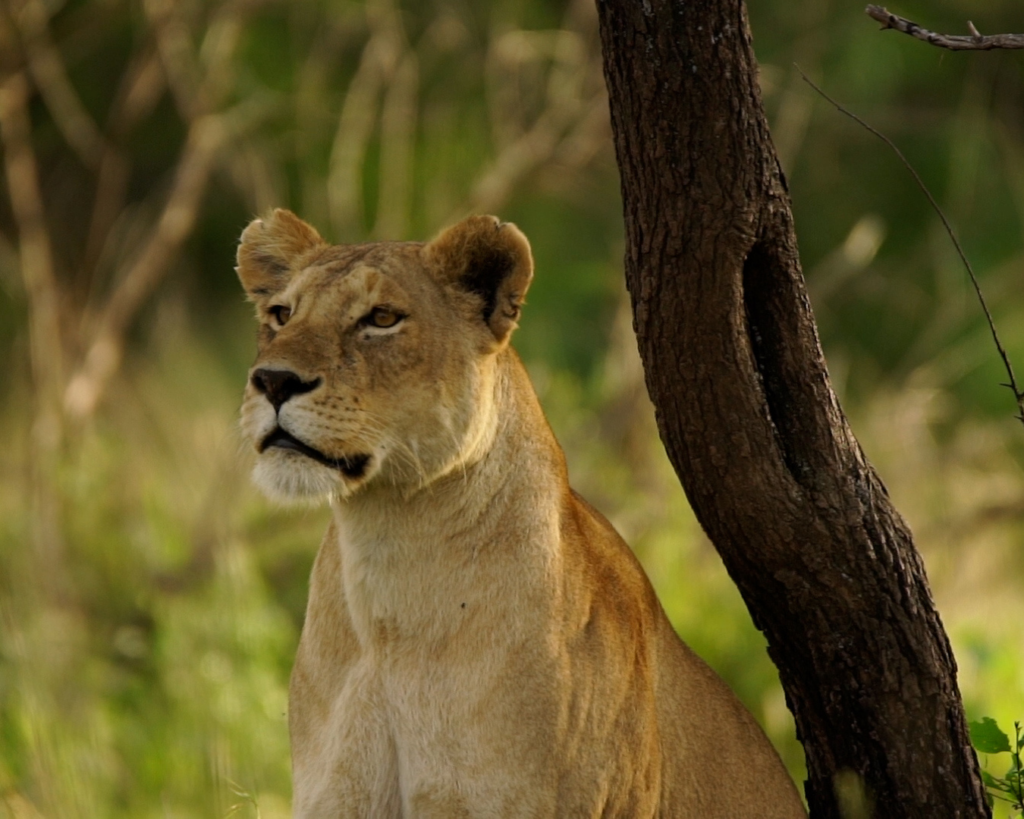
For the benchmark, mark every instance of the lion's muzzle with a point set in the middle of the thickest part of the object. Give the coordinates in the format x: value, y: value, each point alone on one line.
x: 352, y: 466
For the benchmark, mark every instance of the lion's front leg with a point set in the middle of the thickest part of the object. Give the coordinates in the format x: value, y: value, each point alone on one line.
x: 343, y: 755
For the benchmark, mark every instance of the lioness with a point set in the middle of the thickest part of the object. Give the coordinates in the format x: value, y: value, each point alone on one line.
x: 479, y: 641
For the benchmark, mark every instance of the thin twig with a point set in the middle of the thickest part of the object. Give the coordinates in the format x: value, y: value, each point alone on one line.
x: 1017, y: 393
x: 954, y: 42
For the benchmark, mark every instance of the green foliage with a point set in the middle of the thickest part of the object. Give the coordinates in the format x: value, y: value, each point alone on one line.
x: 988, y: 738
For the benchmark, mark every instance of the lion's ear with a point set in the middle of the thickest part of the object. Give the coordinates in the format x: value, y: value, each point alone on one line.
x: 271, y: 249
x: 489, y: 259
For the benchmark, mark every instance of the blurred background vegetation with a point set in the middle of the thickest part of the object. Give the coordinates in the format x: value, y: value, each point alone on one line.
x: 150, y: 601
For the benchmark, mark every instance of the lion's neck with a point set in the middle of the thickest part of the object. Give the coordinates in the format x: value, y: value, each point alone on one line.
x: 414, y: 563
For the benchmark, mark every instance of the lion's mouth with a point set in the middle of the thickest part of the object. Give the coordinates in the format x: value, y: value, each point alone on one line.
x: 353, y: 466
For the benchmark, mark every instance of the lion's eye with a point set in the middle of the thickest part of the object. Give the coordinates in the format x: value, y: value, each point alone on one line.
x: 383, y: 317
x: 280, y: 313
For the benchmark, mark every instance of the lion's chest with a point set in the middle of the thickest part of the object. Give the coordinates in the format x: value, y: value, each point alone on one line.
x: 400, y: 700
x: 408, y: 736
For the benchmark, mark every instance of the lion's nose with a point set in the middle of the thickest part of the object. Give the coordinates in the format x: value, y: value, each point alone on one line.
x: 280, y: 385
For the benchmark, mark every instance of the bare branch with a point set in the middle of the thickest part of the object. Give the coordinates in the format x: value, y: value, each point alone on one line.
x: 199, y: 95
x: 575, y: 108
x: 37, y: 267
x: 176, y: 56
x: 954, y: 42
x: 105, y: 352
x: 1017, y: 393
x: 46, y: 350
x: 517, y: 160
x: 142, y: 86
x: 51, y: 78
x: 198, y: 82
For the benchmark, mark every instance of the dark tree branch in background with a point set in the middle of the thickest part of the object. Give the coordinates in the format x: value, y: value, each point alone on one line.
x: 1017, y: 394
x: 954, y: 42
x: 746, y: 411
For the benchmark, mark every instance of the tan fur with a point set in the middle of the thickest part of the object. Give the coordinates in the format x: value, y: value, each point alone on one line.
x: 479, y: 641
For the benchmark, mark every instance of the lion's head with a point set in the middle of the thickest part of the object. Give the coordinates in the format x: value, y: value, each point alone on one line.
x: 375, y: 362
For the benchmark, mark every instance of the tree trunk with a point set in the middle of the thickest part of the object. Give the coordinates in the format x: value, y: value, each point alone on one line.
x: 733, y: 364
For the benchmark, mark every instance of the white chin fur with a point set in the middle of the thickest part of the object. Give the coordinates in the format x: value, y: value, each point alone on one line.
x: 290, y: 478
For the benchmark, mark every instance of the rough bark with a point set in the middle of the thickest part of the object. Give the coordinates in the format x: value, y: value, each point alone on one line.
x: 733, y: 364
